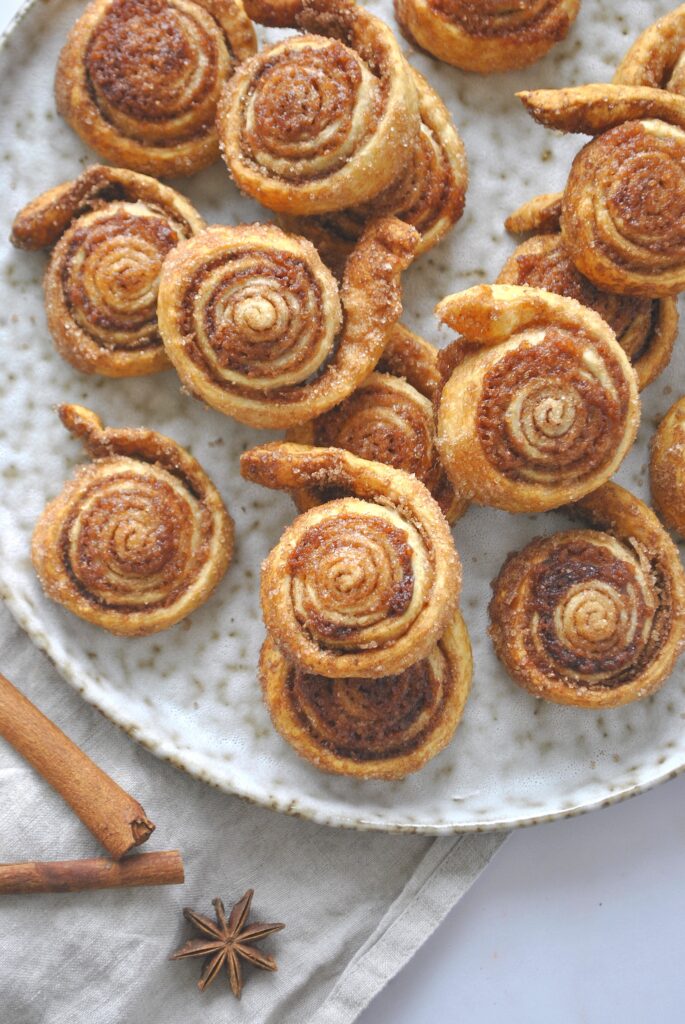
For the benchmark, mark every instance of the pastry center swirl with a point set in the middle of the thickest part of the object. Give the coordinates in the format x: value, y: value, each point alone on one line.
x: 358, y: 579
x: 151, y: 63
x: 310, y: 106
x: 495, y: 17
x: 134, y: 542
x: 553, y: 411
x: 262, y: 318
x: 111, y: 271
x: 370, y: 719
x: 594, y: 609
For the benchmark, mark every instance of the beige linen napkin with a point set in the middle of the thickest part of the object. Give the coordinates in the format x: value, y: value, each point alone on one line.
x: 356, y: 905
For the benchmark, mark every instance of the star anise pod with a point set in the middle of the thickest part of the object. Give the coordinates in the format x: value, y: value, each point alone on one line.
x: 227, y: 942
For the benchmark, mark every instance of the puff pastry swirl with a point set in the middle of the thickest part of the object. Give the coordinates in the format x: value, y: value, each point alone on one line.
x: 138, y: 538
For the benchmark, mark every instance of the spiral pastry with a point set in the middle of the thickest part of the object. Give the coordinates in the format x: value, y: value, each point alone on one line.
x: 593, y: 617
x: 378, y: 728
x: 646, y: 329
x: 429, y: 192
x: 257, y: 328
x: 387, y: 419
x: 667, y: 468
x: 322, y: 121
x: 623, y: 210
x: 486, y: 35
x: 541, y: 405
x: 361, y: 587
x: 137, y: 539
x: 657, y: 57
x: 139, y: 80
x: 112, y: 230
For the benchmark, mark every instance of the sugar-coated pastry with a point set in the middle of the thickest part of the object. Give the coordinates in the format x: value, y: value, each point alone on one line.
x: 321, y: 121
x: 646, y: 329
x: 138, y: 538
x: 389, y: 418
x: 667, y: 468
x: 486, y: 35
x: 382, y: 728
x: 657, y: 57
x: 540, y: 403
x: 360, y: 587
x: 258, y: 328
x: 111, y: 229
x: 593, y: 617
x: 623, y: 210
x: 139, y: 80
x: 429, y: 192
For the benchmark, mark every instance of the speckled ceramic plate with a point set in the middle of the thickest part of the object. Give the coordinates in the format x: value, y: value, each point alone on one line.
x: 191, y: 694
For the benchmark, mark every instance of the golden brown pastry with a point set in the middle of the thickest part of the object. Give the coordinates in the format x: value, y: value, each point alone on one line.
x: 428, y: 193
x: 623, y: 210
x: 593, y: 617
x: 322, y: 121
x: 139, y: 80
x: 646, y: 329
x: 387, y: 419
x: 112, y: 230
x: 138, y: 538
x: 486, y: 35
x: 257, y: 327
x: 382, y: 728
x: 541, y: 405
x: 657, y: 57
x: 361, y: 587
x: 667, y: 468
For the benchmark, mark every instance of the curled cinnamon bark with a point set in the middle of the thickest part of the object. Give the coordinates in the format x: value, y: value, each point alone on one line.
x: 541, y: 405
x: 159, y: 868
x: 114, y: 818
x: 139, y: 80
x: 667, y: 468
x: 257, y: 327
x: 593, y: 617
x: 429, y: 192
x: 486, y: 35
x: 389, y: 419
x: 381, y: 728
x: 138, y: 538
x: 657, y: 57
x: 111, y: 229
x: 646, y: 329
x: 363, y: 586
x: 623, y: 210
x: 322, y: 121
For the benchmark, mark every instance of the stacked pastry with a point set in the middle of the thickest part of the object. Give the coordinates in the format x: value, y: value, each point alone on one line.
x: 367, y: 662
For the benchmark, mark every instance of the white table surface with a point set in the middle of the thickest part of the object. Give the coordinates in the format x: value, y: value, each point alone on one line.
x: 576, y: 922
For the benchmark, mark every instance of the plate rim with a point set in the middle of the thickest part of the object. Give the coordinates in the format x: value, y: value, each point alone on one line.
x: 83, y: 684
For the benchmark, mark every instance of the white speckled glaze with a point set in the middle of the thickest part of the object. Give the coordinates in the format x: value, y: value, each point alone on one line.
x: 191, y: 694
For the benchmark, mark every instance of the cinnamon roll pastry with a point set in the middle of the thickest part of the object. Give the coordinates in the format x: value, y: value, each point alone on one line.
x: 486, y: 35
x: 137, y: 539
x: 111, y: 229
x: 646, y: 329
x: 257, y: 327
x: 667, y: 468
x: 593, y: 617
x: 389, y: 420
x: 623, y: 210
x: 377, y: 728
x: 541, y: 404
x: 657, y: 57
x: 139, y: 80
x: 361, y: 587
x: 429, y: 192
x: 322, y: 121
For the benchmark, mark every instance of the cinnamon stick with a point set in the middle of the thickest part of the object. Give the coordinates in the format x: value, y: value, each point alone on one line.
x: 165, y: 868
x: 115, y: 818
